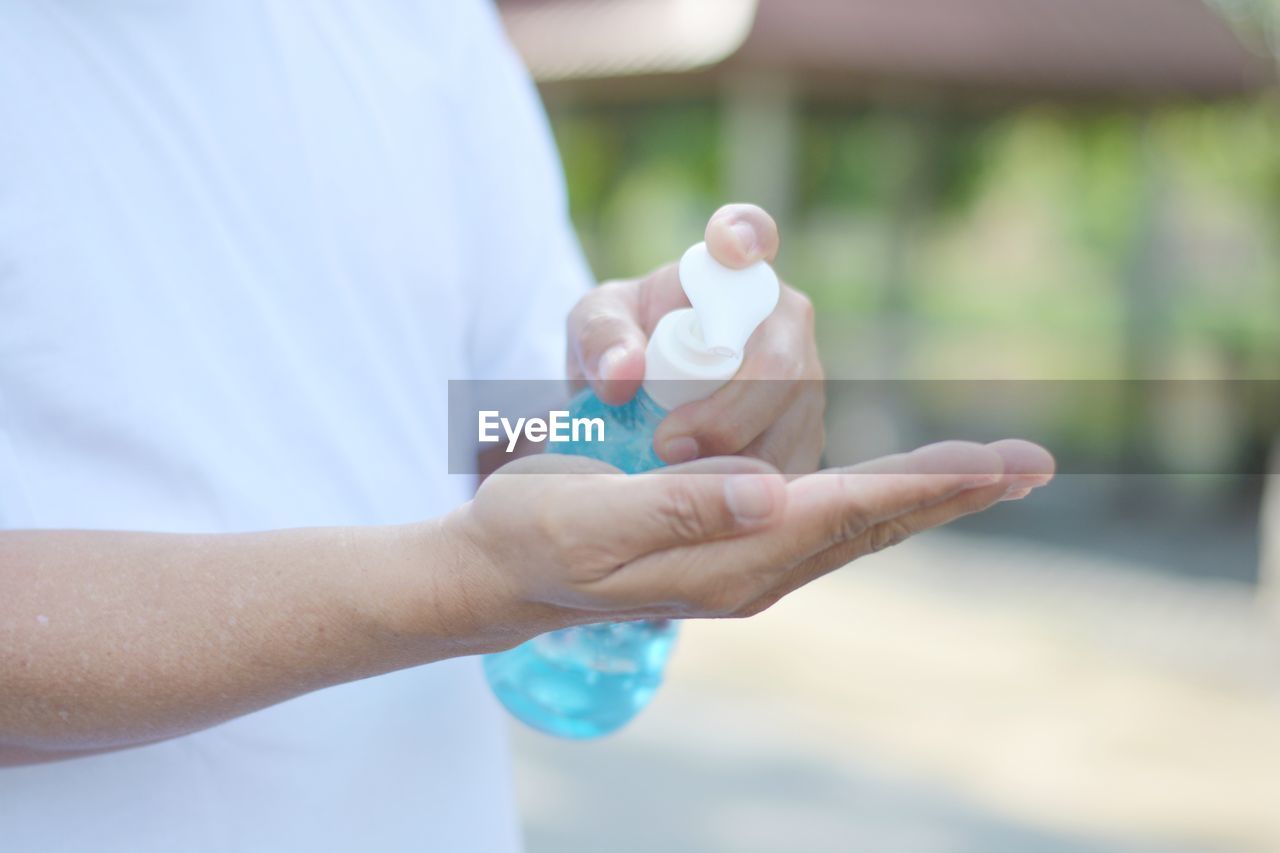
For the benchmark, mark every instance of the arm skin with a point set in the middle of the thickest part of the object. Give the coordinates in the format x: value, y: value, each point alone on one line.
x: 109, y: 640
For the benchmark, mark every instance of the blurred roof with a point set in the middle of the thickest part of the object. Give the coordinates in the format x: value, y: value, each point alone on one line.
x: 1110, y: 48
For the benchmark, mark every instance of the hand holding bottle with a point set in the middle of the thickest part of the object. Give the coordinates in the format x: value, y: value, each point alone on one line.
x: 779, y: 421
x: 666, y: 403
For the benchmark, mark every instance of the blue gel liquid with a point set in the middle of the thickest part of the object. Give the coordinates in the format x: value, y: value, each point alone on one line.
x: 591, y: 680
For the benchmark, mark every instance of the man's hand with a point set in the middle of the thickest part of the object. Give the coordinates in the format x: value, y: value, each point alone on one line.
x: 553, y: 540
x: 779, y: 421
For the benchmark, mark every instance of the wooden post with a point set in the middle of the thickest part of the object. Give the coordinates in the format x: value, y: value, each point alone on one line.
x: 759, y: 130
x: 915, y: 138
x: 1269, y: 534
x: 1146, y: 298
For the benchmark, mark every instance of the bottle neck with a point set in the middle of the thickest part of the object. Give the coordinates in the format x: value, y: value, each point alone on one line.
x: 679, y: 367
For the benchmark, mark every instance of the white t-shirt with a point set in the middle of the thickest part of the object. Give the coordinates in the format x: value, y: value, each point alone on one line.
x: 243, y: 246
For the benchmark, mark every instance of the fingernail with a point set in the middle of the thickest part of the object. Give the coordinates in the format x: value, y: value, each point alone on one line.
x: 746, y: 238
x: 748, y: 497
x: 677, y: 450
x: 612, y: 357
x: 1016, y: 494
x: 1030, y: 481
x: 976, y: 481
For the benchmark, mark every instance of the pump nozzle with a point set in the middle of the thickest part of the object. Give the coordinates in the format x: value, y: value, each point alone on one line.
x: 728, y: 303
x: 701, y: 347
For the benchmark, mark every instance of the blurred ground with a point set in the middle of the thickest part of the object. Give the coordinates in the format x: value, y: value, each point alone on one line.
x: 959, y: 693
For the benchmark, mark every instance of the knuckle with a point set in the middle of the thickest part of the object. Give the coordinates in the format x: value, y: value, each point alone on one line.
x: 848, y: 526
x: 886, y: 535
x: 685, y: 515
x: 849, y: 520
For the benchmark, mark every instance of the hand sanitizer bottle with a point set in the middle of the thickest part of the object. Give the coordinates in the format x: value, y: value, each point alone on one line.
x: 590, y: 680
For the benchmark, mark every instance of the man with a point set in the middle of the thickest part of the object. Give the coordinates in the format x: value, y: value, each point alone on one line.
x: 243, y: 245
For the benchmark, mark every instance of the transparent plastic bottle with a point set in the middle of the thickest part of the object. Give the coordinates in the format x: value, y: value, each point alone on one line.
x: 591, y: 680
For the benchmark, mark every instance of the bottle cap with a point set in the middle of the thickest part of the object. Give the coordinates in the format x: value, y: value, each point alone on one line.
x: 694, y: 351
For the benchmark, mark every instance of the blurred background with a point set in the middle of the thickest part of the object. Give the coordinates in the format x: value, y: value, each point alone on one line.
x: 968, y: 189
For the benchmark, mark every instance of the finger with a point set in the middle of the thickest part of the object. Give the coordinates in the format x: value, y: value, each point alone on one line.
x: 764, y: 387
x: 821, y: 510
x: 683, y: 505
x: 606, y: 341
x: 888, y: 533
x: 738, y: 235
x: 1023, y: 462
x: 832, y: 508
x: 1026, y: 465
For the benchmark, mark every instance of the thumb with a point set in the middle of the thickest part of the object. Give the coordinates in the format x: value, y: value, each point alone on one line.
x: 738, y: 235
x: 685, y: 504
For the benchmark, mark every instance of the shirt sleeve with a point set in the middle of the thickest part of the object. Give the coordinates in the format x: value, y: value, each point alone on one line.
x: 526, y: 268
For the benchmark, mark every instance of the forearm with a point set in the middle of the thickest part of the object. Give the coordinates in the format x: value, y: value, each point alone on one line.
x: 117, y: 639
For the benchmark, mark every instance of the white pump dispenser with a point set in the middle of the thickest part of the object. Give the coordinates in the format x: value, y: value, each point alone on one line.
x: 702, y: 346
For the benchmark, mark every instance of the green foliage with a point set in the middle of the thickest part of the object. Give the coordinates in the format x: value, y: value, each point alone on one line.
x: 1038, y: 243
